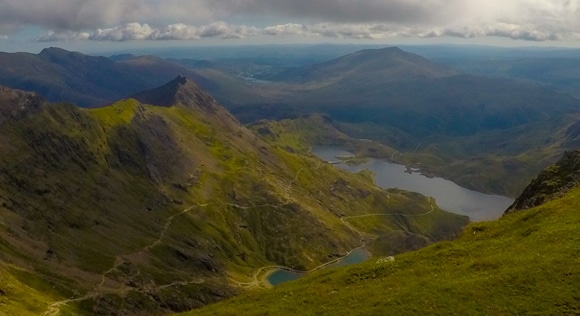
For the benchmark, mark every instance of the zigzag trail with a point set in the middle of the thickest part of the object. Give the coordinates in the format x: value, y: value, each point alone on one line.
x: 54, y: 308
x: 260, y: 283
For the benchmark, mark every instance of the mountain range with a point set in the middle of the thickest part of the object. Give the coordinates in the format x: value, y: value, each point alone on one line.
x: 150, y: 197
x: 485, y: 133
x: 163, y: 202
x: 63, y: 76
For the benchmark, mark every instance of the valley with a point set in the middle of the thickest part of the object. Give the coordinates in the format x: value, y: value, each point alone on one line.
x: 378, y: 178
x: 448, y: 195
x: 487, y: 133
x: 163, y: 208
x: 489, y: 269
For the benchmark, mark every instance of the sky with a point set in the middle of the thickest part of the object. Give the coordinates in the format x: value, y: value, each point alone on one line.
x: 27, y: 25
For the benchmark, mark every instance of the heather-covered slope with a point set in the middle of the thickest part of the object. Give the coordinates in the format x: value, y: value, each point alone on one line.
x: 150, y: 209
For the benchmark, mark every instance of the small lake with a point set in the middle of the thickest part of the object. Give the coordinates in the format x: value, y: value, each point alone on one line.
x: 355, y: 256
x: 448, y: 195
x: 281, y: 276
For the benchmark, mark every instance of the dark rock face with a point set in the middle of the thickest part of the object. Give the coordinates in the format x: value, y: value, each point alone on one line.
x: 16, y: 104
x: 181, y: 91
x: 551, y: 183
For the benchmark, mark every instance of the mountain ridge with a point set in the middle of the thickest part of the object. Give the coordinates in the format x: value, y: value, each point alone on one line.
x: 64, y: 76
x: 178, y: 91
x: 135, y: 208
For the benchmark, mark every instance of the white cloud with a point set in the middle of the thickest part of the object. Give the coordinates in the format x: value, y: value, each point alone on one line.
x: 366, y: 19
x: 127, y: 32
x: 52, y: 36
x: 136, y: 31
x: 286, y: 29
x: 369, y: 31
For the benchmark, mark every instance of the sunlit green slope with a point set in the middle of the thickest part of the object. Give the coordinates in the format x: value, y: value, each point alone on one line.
x: 526, y: 263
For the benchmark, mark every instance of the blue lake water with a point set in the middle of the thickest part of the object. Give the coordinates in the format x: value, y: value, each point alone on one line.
x: 448, y: 195
x: 356, y: 256
x: 281, y: 276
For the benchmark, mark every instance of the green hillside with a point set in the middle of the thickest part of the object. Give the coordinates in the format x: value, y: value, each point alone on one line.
x: 152, y: 209
x: 526, y: 263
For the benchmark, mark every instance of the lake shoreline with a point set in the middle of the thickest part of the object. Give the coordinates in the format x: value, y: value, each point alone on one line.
x: 450, y: 196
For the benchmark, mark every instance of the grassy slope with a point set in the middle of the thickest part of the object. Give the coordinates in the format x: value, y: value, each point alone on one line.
x: 139, y: 208
x: 525, y: 263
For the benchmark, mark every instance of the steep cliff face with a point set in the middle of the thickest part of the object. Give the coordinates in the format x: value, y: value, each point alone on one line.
x: 552, y: 183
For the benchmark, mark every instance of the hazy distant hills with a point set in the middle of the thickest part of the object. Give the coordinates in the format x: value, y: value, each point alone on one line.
x: 139, y: 208
x: 476, y: 130
x: 371, y: 65
x: 62, y: 76
x: 407, y: 92
x: 557, y: 73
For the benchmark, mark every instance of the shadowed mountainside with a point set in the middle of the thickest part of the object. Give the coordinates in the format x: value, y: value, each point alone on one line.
x: 62, y: 76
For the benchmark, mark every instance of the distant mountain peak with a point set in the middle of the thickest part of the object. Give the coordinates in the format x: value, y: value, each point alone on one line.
x: 179, y: 91
x: 49, y: 50
x: 391, y: 49
x: 56, y: 51
x: 372, y: 65
x: 179, y: 80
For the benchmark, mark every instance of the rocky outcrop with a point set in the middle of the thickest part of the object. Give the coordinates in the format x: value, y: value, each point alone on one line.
x: 553, y: 182
x: 16, y: 104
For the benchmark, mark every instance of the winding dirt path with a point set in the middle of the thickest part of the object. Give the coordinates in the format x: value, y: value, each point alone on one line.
x: 261, y: 282
x: 54, y: 308
x: 257, y: 281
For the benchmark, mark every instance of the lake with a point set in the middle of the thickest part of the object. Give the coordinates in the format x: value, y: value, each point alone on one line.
x: 355, y: 256
x: 281, y: 276
x: 448, y: 195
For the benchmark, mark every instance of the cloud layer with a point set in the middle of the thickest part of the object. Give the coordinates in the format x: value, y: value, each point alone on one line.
x: 536, y: 20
